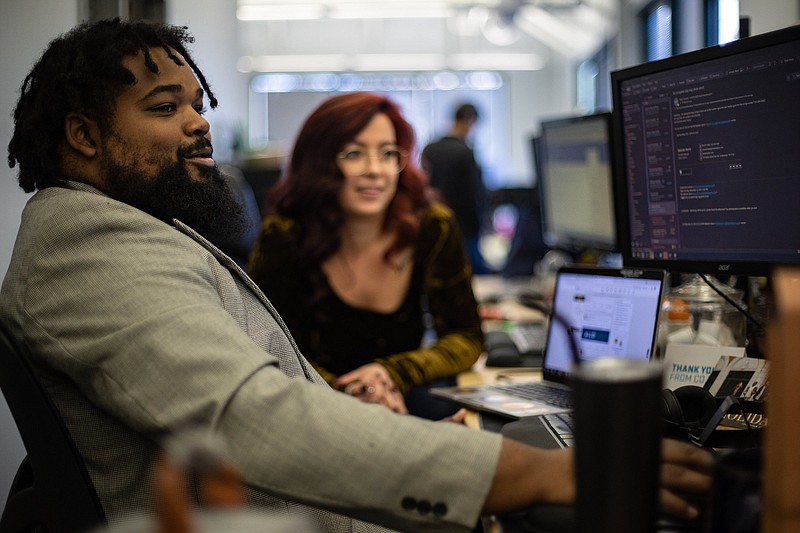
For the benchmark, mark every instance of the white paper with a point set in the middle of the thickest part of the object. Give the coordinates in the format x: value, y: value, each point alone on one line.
x: 692, y: 364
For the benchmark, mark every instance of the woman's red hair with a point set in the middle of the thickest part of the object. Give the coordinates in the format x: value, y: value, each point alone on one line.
x: 308, y: 193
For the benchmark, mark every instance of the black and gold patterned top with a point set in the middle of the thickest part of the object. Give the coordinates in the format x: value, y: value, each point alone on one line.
x: 336, y: 337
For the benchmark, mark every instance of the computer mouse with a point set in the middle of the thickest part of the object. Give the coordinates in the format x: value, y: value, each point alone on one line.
x: 534, y: 300
x: 531, y: 294
x: 503, y: 355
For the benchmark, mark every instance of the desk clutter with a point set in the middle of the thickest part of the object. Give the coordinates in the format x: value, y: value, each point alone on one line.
x: 734, y: 504
x: 715, y: 412
x: 515, y: 335
x: 520, y: 344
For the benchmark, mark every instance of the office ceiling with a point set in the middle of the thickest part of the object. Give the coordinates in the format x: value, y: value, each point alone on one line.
x: 340, y: 35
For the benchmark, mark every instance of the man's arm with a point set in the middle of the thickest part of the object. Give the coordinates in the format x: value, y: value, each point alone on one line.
x: 127, y: 311
x: 153, y: 335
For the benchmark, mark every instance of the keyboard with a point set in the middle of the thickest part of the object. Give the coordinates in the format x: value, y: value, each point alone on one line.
x: 537, y: 391
x: 548, y: 432
x: 562, y: 426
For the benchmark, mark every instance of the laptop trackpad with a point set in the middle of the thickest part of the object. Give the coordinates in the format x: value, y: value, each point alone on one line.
x: 530, y: 431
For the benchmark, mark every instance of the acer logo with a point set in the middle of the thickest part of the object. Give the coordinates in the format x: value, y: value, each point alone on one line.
x: 724, y: 268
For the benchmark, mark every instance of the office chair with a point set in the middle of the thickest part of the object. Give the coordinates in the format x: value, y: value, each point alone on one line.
x: 52, y: 491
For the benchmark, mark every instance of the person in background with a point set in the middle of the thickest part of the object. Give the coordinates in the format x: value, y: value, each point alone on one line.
x: 361, y: 264
x: 450, y: 163
x: 238, y: 245
x: 140, y: 329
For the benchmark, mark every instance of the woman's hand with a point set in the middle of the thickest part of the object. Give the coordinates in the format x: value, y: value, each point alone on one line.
x: 459, y: 417
x: 371, y: 383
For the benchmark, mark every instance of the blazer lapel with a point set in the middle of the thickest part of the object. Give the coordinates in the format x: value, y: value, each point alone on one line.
x: 231, y: 265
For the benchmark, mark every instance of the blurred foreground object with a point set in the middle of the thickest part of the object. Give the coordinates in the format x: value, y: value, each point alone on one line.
x: 198, y: 489
x: 781, y: 511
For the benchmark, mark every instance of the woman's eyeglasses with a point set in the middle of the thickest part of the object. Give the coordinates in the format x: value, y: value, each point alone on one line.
x: 358, y: 161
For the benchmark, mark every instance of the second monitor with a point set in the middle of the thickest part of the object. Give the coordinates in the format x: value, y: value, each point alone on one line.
x: 575, y: 183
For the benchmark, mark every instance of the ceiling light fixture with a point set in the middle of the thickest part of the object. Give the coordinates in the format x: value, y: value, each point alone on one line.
x: 386, y: 10
x: 390, y: 62
x: 280, y: 12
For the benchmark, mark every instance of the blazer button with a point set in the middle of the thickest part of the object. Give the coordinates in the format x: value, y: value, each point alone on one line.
x: 409, y: 503
x: 424, y: 507
x: 439, y: 509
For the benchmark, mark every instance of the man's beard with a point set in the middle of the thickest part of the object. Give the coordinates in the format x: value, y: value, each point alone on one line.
x: 207, y: 205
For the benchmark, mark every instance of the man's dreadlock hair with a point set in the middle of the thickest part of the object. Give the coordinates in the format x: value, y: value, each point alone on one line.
x: 81, y: 71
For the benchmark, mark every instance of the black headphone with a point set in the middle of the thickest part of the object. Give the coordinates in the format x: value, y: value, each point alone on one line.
x: 688, y: 407
x: 691, y: 413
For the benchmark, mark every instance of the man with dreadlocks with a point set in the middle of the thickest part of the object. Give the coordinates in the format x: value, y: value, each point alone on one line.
x: 140, y: 328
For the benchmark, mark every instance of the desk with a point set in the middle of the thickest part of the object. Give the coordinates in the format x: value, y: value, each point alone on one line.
x: 556, y: 516
x: 480, y: 374
x: 548, y: 517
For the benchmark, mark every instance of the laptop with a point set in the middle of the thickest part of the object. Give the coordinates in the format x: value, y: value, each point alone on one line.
x: 610, y: 311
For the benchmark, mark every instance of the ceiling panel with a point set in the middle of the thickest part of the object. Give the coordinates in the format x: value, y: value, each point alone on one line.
x: 527, y: 31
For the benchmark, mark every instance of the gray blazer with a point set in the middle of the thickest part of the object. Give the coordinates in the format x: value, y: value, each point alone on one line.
x: 140, y: 330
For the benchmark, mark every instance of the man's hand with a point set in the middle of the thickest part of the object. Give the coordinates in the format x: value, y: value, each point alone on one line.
x: 685, y: 475
x: 528, y: 476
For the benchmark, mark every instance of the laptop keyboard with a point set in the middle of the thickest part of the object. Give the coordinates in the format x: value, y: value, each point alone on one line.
x: 537, y: 391
x: 562, y: 427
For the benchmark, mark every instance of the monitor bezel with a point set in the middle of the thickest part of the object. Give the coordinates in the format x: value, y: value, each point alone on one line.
x: 621, y: 198
x: 572, y: 242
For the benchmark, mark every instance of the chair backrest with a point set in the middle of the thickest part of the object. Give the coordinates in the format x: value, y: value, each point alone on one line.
x: 52, y: 491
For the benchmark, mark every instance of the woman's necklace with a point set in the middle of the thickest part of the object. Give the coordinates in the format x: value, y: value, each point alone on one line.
x: 401, y: 263
x: 398, y: 263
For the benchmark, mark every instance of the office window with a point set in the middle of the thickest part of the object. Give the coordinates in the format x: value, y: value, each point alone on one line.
x: 280, y: 102
x: 658, y: 30
x: 722, y: 21
x: 587, y: 75
x: 593, y: 81
x: 678, y: 26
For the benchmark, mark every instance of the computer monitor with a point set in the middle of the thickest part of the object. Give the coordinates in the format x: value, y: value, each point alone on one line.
x: 707, y: 158
x: 575, y: 183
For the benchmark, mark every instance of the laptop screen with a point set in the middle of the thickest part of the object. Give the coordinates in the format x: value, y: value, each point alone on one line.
x: 610, y: 312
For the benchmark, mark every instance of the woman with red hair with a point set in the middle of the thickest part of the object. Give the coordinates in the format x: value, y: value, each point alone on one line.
x: 361, y: 263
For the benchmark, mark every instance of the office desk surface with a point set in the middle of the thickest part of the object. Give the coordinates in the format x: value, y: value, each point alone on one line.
x: 480, y: 374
